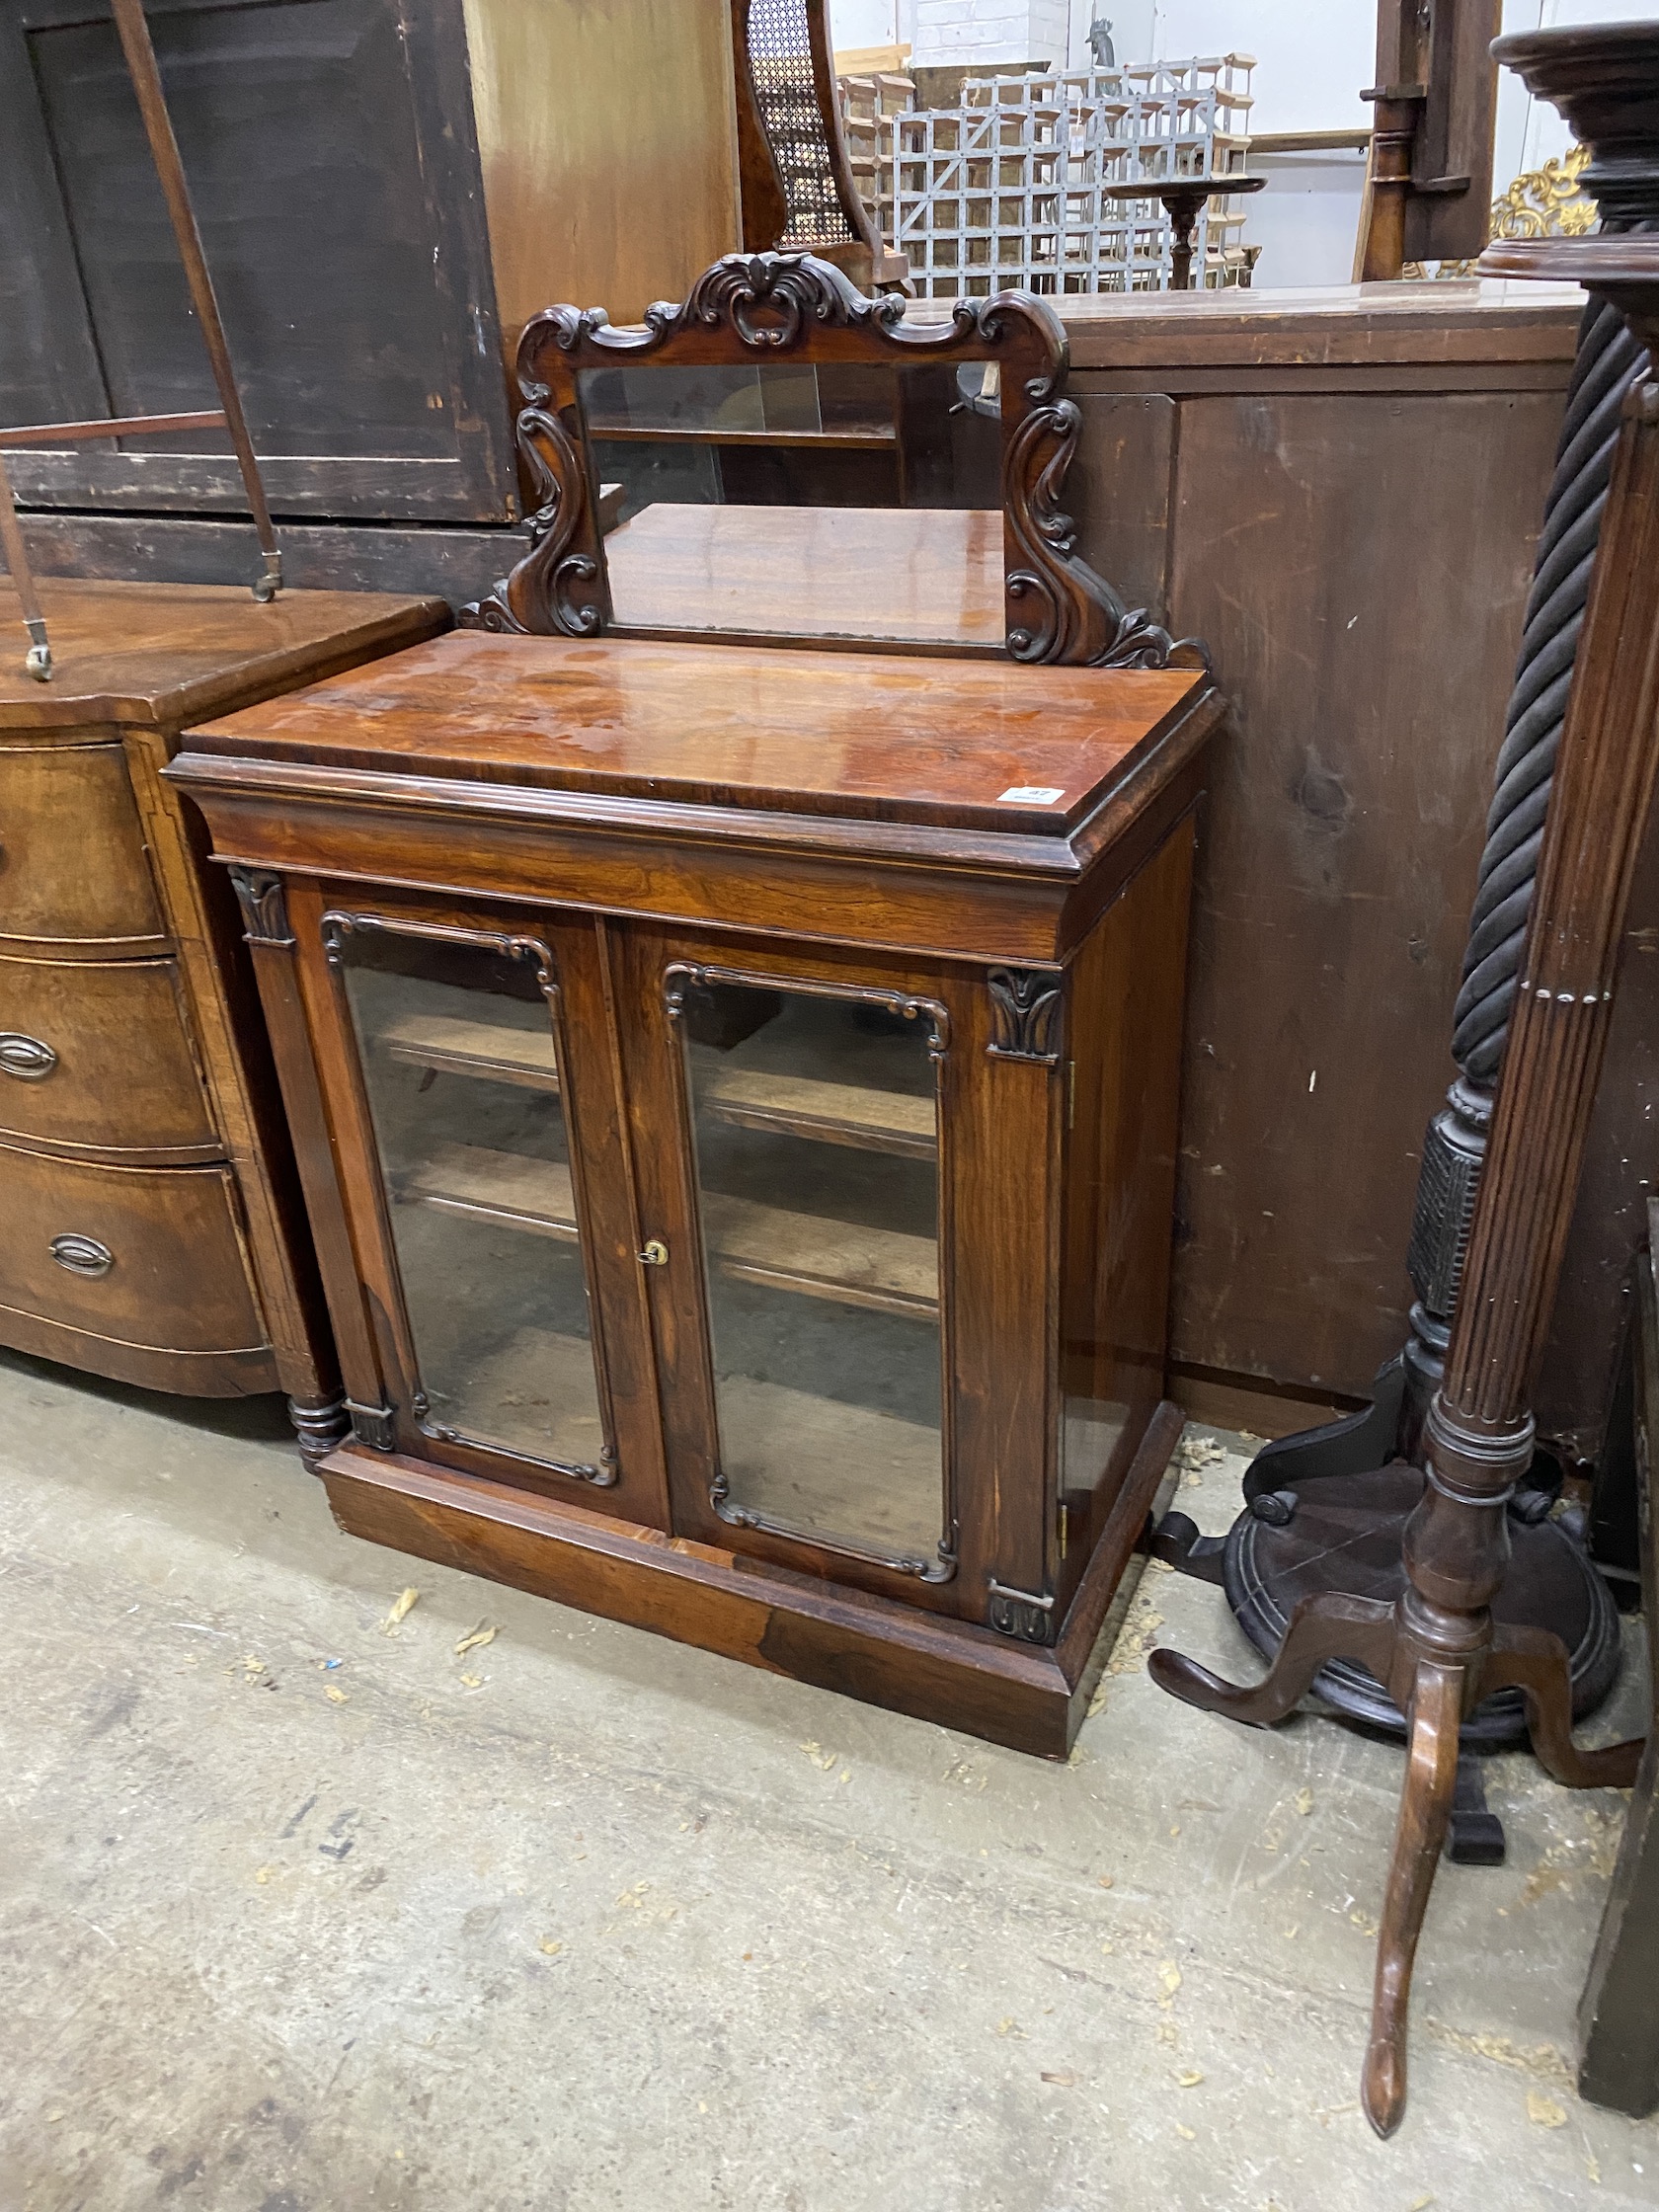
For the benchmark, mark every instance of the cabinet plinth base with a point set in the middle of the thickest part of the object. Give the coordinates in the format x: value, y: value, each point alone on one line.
x: 925, y: 1664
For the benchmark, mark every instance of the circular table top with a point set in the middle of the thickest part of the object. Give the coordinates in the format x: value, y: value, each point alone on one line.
x: 1167, y: 188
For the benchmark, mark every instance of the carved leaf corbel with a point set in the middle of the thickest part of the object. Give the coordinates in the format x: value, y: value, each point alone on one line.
x: 1025, y: 1014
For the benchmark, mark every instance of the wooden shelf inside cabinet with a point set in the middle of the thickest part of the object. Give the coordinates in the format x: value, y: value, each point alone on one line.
x: 513, y: 1187
x: 870, y: 1120
x: 485, y: 1049
x: 809, y: 1255
x: 851, y: 1114
x: 858, y: 436
x: 816, y: 1256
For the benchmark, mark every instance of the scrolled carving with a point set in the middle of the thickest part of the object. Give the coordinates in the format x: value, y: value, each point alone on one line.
x: 551, y: 591
x: 1025, y: 1007
x: 600, y: 1478
x: 1074, y: 614
x: 338, y: 928
x: 778, y: 304
x: 769, y: 299
x: 941, y: 1569
x: 684, y: 976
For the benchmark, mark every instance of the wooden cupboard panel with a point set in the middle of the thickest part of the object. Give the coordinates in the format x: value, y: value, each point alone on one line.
x: 1125, y: 987
x: 607, y: 143
x: 1340, y: 842
x: 809, y: 1255
x: 72, y: 864
x: 330, y: 155
x: 121, y: 1075
x: 1121, y: 490
x: 149, y: 1256
x: 401, y: 1315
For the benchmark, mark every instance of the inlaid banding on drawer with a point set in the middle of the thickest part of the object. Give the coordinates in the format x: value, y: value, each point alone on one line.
x: 73, y: 870
x: 95, y: 1058
x: 148, y: 1256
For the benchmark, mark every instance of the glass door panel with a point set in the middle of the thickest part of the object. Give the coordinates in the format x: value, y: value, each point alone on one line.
x: 460, y: 1059
x: 816, y: 1127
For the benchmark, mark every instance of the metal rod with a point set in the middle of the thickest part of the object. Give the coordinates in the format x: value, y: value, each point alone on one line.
x: 164, y: 147
x: 38, y: 660
x: 49, y: 434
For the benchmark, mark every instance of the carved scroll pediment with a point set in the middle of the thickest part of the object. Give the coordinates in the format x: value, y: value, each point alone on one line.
x: 774, y: 306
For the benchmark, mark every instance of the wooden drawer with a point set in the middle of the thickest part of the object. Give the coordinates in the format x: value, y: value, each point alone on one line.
x: 98, y: 1056
x: 72, y: 864
x: 146, y: 1255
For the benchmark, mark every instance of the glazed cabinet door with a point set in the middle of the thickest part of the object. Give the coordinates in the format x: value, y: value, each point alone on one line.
x: 468, y: 1073
x: 853, y: 1356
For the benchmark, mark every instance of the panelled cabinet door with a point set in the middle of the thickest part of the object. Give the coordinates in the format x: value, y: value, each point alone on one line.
x: 477, y: 1116
x: 810, y: 1138
x: 330, y: 157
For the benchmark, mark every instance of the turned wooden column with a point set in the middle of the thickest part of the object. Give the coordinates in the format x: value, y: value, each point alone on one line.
x: 1438, y: 1650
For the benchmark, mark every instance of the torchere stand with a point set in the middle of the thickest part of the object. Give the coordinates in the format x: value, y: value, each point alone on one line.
x: 1182, y: 200
x: 1438, y: 1649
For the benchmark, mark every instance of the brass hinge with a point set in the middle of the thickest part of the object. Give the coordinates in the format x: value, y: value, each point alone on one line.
x: 372, y: 1425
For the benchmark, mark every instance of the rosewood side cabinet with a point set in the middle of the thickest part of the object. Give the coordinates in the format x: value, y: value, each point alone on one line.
x: 736, y: 1091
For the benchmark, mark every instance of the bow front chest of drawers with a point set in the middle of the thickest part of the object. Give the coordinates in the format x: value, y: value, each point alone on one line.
x: 151, y: 1228
x: 735, y: 1092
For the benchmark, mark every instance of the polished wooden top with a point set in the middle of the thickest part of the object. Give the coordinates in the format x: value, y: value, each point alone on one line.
x: 924, y: 576
x: 970, y: 743
x: 1468, y: 321
x: 163, y: 653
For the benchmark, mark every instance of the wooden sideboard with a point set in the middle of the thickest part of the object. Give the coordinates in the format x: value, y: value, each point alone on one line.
x: 735, y: 1095
x: 1339, y: 491
x: 153, y: 1230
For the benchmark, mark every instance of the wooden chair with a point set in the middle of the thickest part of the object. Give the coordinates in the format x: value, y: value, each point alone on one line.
x: 794, y: 173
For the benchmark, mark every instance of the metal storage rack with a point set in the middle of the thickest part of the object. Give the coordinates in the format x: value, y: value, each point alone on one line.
x: 1007, y: 189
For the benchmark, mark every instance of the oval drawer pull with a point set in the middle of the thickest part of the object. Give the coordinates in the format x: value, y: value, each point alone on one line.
x: 82, y: 1255
x: 26, y: 1058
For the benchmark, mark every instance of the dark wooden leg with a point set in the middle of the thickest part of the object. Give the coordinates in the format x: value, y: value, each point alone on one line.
x: 1355, y: 1445
x: 1476, y: 1838
x: 1534, y: 1662
x: 1425, y: 1813
x: 320, y: 1425
x: 1617, y: 2018
x: 1181, y: 204
x: 1322, y: 1629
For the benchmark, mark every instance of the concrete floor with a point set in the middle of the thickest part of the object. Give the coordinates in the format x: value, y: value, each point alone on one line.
x: 577, y: 1919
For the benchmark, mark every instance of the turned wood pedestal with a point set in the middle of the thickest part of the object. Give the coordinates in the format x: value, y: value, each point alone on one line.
x: 1439, y: 1649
